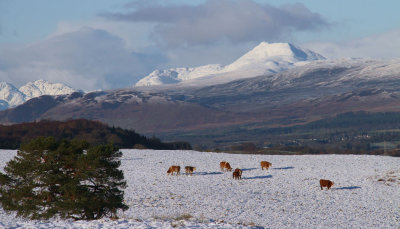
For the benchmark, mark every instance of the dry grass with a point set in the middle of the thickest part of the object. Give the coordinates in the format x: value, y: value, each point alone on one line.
x: 390, y: 178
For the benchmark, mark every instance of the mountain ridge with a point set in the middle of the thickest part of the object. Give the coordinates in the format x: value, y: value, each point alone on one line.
x: 10, y: 96
x: 303, y: 93
x: 263, y: 59
x: 297, y: 96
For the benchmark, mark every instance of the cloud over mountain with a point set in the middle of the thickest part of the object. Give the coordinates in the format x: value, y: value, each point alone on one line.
x: 213, y: 21
x: 87, y: 59
x: 385, y: 45
x: 119, y: 47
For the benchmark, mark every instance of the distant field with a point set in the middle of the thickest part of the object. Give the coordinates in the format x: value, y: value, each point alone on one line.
x: 348, y: 133
x: 365, y: 195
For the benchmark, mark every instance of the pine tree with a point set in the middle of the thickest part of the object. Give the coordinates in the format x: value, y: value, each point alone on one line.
x: 67, y: 179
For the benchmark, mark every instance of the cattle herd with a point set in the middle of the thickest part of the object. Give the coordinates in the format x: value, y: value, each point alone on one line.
x: 237, y: 173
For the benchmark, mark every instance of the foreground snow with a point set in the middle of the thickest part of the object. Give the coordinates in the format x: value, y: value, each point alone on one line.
x: 366, y: 192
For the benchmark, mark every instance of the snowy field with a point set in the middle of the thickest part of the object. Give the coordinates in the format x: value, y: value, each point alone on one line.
x: 366, y: 193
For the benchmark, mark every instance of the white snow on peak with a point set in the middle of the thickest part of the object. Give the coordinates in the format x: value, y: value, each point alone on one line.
x: 10, y: 96
x: 43, y: 87
x: 273, y: 57
x: 176, y: 75
x: 263, y: 59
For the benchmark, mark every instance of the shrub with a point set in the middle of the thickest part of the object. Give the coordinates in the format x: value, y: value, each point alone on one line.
x: 67, y: 179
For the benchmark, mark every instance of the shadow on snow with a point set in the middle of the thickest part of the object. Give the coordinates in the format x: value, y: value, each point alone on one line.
x: 256, y: 177
x: 249, y: 169
x: 207, y: 173
x: 347, y: 188
x: 289, y: 167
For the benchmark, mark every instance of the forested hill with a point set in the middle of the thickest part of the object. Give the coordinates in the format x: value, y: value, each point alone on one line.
x: 94, y: 132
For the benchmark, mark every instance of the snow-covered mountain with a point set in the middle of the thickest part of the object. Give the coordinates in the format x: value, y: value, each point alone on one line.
x: 10, y: 96
x: 316, y: 80
x: 321, y: 88
x: 265, y: 58
x: 43, y: 87
x: 177, y: 75
x: 273, y: 58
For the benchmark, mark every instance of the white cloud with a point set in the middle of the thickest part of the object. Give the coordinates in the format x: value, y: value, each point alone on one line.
x: 86, y: 59
x: 116, y: 50
x: 380, y: 46
x: 135, y: 37
x: 214, y: 21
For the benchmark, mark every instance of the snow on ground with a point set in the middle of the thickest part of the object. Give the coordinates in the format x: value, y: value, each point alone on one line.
x: 366, y: 193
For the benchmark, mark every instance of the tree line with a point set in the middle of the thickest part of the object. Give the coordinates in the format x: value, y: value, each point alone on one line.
x: 94, y: 132
x: 347, y: 133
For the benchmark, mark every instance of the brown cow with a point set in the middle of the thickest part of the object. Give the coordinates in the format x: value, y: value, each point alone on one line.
x: 239, y: 171
x: 265, y: 164
x: 325, y: 183
x: 190, y: 169
x: 228, y: 167
x: 174, y: 168
x: 225, y: 166
x: 222, y: 165
x: 237, y: 174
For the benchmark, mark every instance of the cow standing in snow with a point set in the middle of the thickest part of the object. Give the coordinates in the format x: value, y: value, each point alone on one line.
x: 325, y: 183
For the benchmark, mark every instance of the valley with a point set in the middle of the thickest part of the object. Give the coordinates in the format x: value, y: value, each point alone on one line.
x: 246, y: 114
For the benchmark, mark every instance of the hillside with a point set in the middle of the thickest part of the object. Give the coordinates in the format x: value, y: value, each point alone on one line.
x: 299, y: 95
x: 94, y: 132
x: 143, y: 111
x: 347, y: 133
x: 237, y: 111
x: 365, y: 194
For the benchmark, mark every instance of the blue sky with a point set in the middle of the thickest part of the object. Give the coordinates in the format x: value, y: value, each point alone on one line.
x: 102, y: 44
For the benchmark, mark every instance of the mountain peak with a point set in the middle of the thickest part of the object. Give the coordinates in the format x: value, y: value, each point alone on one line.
x: 265, y: 58
x: 265, y: 49
x: 271, y: 50
x: 6, y: 85
x: 43, y: 87
x: 10, y: 96
x: 274, y: 57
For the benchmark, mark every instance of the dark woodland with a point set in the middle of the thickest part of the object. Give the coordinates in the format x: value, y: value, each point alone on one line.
x: 94, y: 132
